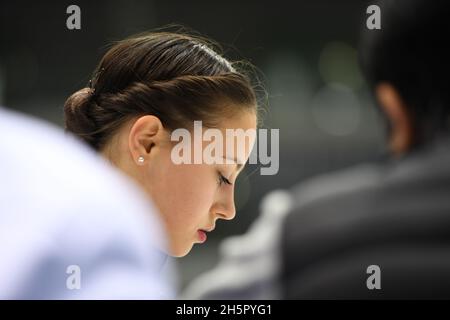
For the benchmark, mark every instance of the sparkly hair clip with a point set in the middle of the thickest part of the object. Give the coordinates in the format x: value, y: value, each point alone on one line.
x: 92, y: 90
x: 95, y: 78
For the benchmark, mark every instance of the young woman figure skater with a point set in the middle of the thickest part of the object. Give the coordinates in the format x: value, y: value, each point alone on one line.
x: 143, y: 89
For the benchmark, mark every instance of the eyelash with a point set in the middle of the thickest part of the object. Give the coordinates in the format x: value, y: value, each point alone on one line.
x: 222, y: 180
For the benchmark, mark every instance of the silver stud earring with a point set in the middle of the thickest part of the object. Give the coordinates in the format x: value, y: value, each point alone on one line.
x: 141, y: 159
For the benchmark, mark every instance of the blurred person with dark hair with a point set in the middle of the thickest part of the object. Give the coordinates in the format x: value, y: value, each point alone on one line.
x: 72, y: 227
x: 324, y: 238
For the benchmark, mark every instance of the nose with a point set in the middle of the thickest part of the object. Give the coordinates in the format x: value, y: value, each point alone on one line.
x: 226, y: 209
x: 228, y: 214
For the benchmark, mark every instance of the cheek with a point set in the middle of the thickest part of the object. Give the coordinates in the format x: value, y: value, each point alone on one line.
x: 194, y: 185
x: 187, y: 200
x: 185, y: 194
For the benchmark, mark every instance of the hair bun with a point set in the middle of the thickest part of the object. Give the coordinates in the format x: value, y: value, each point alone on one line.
x: 77, y: 110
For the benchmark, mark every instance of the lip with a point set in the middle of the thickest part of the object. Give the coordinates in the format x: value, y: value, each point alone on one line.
x: 202, y: 235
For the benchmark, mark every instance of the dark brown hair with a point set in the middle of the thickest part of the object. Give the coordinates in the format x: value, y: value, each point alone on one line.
x: 176, y: 77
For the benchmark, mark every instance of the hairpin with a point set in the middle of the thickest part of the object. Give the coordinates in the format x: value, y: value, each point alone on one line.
x: 97, y: 75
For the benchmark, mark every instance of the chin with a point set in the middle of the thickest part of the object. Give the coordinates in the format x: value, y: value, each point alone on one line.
x: 180, y: 252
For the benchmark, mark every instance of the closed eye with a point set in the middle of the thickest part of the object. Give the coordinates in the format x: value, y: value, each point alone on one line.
x: 223, y: 180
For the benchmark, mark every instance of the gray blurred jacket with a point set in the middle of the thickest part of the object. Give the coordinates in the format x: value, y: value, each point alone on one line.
x: 318, y: 239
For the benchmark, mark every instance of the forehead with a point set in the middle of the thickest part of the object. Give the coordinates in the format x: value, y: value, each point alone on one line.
x: 240, y: 134
x: 242, y: 120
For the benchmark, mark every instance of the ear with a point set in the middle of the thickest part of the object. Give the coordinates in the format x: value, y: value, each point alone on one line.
x: 393, y: 106
x: 146, y: 133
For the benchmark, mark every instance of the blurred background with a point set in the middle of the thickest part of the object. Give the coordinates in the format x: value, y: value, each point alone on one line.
x: 306, y: 53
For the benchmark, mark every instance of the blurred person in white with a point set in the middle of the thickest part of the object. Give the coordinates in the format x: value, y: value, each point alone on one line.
x: 64, y: 210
